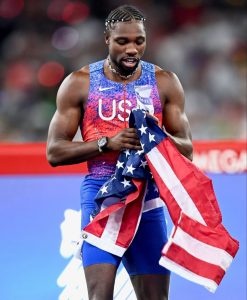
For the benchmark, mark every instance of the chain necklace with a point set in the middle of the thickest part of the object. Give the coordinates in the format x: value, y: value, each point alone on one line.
x: 117, y: 73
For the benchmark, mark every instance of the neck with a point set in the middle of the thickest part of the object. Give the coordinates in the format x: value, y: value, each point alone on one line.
x: 113, y: 70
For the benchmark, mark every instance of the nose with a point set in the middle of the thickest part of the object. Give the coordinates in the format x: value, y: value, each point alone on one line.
x: 131, y: 49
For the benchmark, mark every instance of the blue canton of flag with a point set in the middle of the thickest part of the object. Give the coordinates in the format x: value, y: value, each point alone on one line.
x: 132, y: 163
x: 148, y: 132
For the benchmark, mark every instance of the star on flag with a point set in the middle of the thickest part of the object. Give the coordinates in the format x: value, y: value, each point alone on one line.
x: 103, y: 189
x: 125, y: 182
x: 151, y: 137
x: 127, y: 152
x: 143, y: 164
x: 130, y: 169
x: 120, y: 164
x: 142, y: 129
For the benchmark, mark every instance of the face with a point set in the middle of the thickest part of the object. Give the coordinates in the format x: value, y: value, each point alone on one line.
x: 127, y: 43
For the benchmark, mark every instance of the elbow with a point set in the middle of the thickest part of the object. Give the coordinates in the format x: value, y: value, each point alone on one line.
x: 52, y: 162
x: 190, y: 156
x: 189, y: 153
x: 51, y: 156
x: 187, y: 150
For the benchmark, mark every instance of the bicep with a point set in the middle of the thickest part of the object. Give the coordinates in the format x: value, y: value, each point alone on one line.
x: 64, y: 124
x: 65, y: 121
x: 175, y: 120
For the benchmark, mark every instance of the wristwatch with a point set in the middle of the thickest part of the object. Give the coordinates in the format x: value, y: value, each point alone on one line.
x: 102, y: 143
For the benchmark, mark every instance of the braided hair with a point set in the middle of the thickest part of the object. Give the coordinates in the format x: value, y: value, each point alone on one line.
x: 123, y: 13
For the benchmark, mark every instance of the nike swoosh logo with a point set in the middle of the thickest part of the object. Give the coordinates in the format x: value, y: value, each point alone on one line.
x: 105, y: 88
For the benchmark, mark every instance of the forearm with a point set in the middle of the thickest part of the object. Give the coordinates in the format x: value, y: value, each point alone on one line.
x: 61, y: 151
x: 184, y: 146
x: 64, y: 152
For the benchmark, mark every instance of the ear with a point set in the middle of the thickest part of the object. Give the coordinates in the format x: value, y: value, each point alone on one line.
x: 107, y: 38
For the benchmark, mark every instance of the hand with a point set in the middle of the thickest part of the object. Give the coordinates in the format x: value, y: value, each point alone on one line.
x: 125, y: 139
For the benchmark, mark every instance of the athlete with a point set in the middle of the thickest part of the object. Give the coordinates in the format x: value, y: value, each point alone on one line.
x: 98, y: 98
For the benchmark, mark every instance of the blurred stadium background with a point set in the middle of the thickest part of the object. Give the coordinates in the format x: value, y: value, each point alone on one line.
x: 41, y: 42
x: 202, y: 41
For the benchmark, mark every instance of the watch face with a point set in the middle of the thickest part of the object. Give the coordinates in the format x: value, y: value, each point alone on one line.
x: 102, y: 142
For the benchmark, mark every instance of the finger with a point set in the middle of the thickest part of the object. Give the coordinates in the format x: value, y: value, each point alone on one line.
x: 131, y: 146
x: 132, y: 141
x: 130, y: 130
x: 131, y: 135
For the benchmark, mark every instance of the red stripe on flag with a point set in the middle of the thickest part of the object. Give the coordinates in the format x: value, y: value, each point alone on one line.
x: 197, y: 185
x: 216, y: 237
x: 193, y: 264
x: 131, y: 214
x: 97, y: 227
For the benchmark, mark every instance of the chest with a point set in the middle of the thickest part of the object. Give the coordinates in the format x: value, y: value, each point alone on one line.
x: 116, y: 101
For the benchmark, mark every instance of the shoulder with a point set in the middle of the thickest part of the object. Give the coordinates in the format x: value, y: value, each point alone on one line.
x: 159, y: 72
x: 77, y: 77
x: 164, y: 75
x: 168, y: 82
x: 75, y: 86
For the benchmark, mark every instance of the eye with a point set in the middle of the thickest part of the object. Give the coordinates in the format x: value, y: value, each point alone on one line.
x: 140, y: 41
x: 121, y: 41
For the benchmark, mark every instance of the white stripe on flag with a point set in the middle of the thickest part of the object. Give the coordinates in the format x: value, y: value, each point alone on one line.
x: 183, y: 272
x: 103, y: 244
x: 201, y: 250
x: 113, y: 225
x: 174, y: 185
x: 152, y: 204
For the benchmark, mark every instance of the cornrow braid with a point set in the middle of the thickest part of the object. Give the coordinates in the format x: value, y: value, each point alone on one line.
x: 123, y: 13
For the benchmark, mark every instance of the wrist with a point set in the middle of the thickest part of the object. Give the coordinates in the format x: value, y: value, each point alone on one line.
x: 102, y: 144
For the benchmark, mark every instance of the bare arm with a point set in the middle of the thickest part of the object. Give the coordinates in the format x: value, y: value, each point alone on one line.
x: 61, y: 149
x: 64, y: 124
x: 175, y: 121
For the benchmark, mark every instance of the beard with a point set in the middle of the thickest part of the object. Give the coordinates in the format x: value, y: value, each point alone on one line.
x: 126, y: 66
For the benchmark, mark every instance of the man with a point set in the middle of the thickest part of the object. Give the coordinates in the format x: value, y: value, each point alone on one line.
x: 98, y: 98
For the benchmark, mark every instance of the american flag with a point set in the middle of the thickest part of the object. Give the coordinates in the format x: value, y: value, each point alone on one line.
x: 199, y: 248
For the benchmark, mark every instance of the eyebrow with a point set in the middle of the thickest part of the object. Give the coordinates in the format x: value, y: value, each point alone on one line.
x: 127, y: 38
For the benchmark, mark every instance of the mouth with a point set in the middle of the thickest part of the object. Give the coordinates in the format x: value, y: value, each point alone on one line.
x: 130, y: 62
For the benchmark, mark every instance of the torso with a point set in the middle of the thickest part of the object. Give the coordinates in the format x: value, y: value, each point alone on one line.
x: 108, y: 107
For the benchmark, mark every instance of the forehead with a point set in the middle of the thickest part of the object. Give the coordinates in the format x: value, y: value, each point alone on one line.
x: 128, y: 29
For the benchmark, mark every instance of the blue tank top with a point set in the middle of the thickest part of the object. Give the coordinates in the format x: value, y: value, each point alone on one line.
x: 108, y: 107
